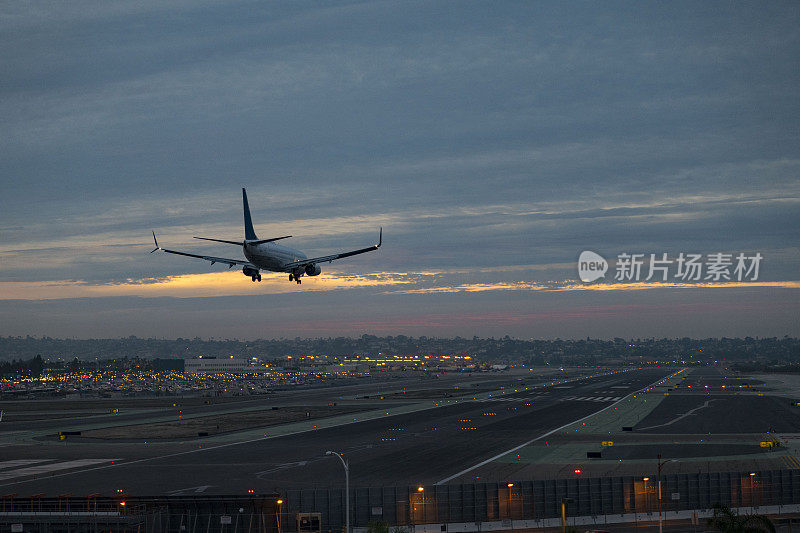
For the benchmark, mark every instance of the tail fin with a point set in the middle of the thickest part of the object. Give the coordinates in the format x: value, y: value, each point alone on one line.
x: 249, y: 234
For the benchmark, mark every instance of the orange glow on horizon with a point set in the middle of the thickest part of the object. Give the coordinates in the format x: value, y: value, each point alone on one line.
x: 233, y: 283
x: 211, y: 284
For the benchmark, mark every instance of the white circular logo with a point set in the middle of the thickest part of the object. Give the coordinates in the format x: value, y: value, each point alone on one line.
x: 591, y: 266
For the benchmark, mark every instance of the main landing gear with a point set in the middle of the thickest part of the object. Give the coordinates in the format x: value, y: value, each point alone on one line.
x: 253, y: 273
x: 292, y: 277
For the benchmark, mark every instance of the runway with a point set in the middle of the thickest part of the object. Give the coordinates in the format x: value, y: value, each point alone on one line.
x: 420, y: 447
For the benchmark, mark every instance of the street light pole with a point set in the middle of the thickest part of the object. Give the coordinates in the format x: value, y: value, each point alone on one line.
x: 660, y: 466
x: 346, y: 465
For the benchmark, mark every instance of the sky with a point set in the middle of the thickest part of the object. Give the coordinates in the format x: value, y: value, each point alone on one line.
x: 492, y: 141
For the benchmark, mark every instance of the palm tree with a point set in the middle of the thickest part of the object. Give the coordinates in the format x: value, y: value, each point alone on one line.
x: 726, y: 520
x: 377, y: 526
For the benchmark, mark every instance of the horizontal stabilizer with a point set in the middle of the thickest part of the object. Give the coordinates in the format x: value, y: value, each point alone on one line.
x: 242, y: 243
x: 262, y: 241
x: 238, y: 243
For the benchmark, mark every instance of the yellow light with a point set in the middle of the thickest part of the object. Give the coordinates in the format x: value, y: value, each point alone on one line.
x: 279, y: 502
x: 752, y: 474
x: 510, y: 485
x: 420, y: 489
x: 646, y: 479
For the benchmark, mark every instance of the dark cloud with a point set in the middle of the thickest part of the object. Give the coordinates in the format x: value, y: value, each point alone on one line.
x: 478, y: 135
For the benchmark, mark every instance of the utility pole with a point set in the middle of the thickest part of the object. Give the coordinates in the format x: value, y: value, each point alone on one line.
x: 660, y: 518
x: 346, y: 465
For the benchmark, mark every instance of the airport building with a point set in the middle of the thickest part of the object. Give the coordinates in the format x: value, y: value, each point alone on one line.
x: 212, y: 364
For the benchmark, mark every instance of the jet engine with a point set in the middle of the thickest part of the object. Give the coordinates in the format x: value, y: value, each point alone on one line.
x: 313, y: 270
x: 253, y: 273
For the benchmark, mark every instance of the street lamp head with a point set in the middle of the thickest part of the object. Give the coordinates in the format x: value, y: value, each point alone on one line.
x: 329, y: 452
x: 646, y: 478
x: 420, y: 489
x: 279, y: 502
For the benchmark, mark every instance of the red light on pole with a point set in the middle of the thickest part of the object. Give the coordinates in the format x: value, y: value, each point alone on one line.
x: 577, y: 471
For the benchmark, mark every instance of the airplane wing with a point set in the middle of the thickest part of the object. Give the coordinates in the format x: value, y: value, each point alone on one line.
x: 224, y: 260
x: 328, y: 258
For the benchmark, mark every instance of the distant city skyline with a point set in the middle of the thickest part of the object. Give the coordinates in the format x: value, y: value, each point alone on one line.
x: 494, y: 143
x: 763, y: 351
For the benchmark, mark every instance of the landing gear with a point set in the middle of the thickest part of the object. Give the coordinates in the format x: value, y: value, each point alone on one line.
x: 299, y: 281
x: 252, y: 273
x: 291, y: 277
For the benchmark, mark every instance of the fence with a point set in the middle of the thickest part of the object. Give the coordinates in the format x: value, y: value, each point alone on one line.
x: 535, y: 500
x: 541, y: 499
x: 128, y: 514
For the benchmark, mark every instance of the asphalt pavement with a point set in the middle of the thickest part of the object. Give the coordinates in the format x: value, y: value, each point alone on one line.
x: 722, y: 412
x: 418, y: 447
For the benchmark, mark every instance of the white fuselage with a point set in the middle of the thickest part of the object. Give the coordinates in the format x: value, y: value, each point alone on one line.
x: 271, y: 256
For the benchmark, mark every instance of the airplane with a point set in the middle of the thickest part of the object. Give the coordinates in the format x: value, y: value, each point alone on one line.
x: 264, y: 254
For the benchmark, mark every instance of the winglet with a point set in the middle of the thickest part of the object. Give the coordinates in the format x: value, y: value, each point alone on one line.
x: 157, y: 248
x: 380, y: 238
